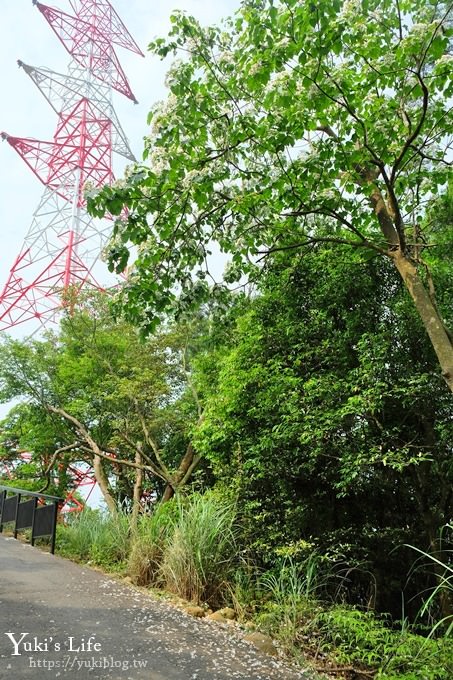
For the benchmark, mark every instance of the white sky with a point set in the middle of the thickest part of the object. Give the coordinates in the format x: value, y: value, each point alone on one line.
x: 25, y: 35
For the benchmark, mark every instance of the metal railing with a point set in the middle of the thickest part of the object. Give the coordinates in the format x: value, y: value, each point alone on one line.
x: 39, y: 513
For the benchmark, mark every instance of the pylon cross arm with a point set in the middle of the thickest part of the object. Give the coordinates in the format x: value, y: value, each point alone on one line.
x: 90, y: 47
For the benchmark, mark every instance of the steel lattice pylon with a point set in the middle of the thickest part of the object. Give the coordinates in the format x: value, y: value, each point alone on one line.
x: 63, y: 242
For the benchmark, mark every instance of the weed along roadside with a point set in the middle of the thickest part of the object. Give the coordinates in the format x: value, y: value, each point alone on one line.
x: 187, y: 553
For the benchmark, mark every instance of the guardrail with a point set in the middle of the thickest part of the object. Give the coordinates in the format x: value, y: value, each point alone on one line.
x: 39, y: 513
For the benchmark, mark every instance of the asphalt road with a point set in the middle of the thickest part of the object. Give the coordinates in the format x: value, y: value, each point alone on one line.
x: 58, y: 618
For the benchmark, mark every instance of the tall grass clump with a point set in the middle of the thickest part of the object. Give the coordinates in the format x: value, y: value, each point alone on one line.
x: 95, y: 536
x: 200, y: 552
x: 441, y: 595
x: 290, y: 593
x: 148, y: 543
x: 245, y: 593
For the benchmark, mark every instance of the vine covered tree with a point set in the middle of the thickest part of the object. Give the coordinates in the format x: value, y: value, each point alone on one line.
x: 293, y: 123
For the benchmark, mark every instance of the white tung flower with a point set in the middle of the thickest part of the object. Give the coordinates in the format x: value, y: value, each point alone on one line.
x: 190, y: 178
x: 226, y: 58
x: 158, y: 155
x: 328, y: 194
x: 284, y: 42
x: 255, y: 68
x: 351, y: 7
x: 160, y: 167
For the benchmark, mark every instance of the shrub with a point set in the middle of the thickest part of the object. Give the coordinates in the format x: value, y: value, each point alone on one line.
x: 244, y: 590
x: 443, y: 591
x: 290, y: 604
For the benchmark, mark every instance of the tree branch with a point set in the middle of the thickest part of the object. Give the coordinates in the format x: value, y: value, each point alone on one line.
x: 55, y: 455
x: 409, y: 141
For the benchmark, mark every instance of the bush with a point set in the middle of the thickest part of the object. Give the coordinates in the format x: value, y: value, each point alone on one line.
x: 245, y: 591
x: 441, y: 595
x: 289, y: 599
x: 288, y: 608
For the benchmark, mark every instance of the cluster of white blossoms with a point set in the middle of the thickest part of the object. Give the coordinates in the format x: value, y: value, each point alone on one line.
x: 226, y: 110
x: 194, y: 177
x: 421, y: 29
x: 351, y: 8
x: 172, y: 72
x: 162, y: 109
x: 90, y: 189
x: 279, y: 83
x: 112, y: 244
x: 119, y: 184
x: 419, y: 34
x: 191, y: 45
x: 158, y: 160
x: 283, y: 42
x: 368, y: 100
x: 313, y: 91
x: 225, y: 58
x: 328, y: 194
x: 377, y: 14
x: 146, y: 244
x: 254, y: 69
x: 445, y: 59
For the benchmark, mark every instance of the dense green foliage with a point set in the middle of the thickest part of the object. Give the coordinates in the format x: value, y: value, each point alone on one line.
x: 286, y: 602
x: 94, y: 389
x: 293, y: 123
x: 329, y: 422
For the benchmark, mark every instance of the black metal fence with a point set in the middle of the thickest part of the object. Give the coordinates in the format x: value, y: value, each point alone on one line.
x: 37, y: 512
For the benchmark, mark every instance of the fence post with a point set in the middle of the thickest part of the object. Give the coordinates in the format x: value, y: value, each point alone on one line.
x: 33, y: 523
x: 1, y: 509
x: 54, y: 527
x: 17, y: 514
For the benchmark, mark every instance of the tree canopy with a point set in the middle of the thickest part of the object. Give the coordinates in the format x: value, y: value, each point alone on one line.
x: 95, y: 392
x: 293, y: 123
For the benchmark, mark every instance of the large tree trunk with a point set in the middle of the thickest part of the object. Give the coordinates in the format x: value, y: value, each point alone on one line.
x: 186, y: 467
x: 429, y: 315
x: 85, y: 436
x: 424, y: 303
x: 138, y: 489
x: 168, y: 493
x: 102, y: 480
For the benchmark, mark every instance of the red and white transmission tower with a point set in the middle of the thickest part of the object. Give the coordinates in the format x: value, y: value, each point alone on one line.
x: 63, y: 242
